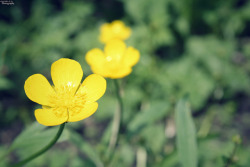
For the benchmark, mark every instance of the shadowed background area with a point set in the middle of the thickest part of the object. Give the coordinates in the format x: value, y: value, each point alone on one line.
x: 200, y: 48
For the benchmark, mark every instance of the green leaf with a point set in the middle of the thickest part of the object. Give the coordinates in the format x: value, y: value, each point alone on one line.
x: 186, y: 135
x: 5, y: 83
x: 34, y: 138
x: 124, y: 156
x: 26, y: 135
x: 157, y: 110
x: 86, y: 148
x: 156, y: 143
x: 3, y: 159
x: 199, y: 85
x: 3, y: 48
x: 170, y: 160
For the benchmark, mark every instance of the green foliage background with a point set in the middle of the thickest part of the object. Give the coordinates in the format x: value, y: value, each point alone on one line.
x: 200, y: 48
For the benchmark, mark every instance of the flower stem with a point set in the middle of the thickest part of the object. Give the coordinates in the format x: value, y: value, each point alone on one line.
x: 37, y: 154
x: 117, y: 121
x: 230, y: 159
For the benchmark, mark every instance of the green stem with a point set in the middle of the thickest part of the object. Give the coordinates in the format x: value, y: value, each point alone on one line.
x: 230, y: 159
x: 117, y: 121
x: 37, y: 154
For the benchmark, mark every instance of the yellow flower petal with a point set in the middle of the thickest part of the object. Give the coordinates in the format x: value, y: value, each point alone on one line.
x: 106, y: 33
x: 38, y: 89
x: 95, y: 56
x: 87, y: 111
x: 99, y: 70
x: 126, y: 33
x: 117, y: 27
x: 114, y: 50
x: 66, y: 73
x: 94, y: 86
x: 115, y: 30
x: 120, y: 29
x: 131, y: 57
x: 96, y: 59
x: 122, y: 72
x: 47, y: 117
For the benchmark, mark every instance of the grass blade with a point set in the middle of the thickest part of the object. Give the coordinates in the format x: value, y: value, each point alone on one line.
x: 186, y: 135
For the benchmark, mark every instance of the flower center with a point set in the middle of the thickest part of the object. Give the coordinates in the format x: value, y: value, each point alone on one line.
x: 66, y: 103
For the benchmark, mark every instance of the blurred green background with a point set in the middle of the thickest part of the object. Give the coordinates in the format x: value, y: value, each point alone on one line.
x: 200, y: 48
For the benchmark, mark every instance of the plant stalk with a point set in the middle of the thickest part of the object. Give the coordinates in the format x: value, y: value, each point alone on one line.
x: 117, y: 121
x: 230, y: 159
x: 46, y: 148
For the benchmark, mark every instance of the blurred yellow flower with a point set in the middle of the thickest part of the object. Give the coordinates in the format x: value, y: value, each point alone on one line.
x: 68, y: 100
x: 114, y: 30
x: 115, y: 62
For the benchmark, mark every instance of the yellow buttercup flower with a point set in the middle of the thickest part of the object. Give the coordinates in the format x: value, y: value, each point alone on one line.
x: 68, y: 100
x: 115, y: 62
x: 114, y: 30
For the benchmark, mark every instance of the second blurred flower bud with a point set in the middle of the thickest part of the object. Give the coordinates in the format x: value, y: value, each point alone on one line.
x: 114, y: 30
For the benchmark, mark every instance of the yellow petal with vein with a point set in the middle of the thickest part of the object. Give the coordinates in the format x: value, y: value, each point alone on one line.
x: 38, y: 89
x: 88, y: 110
x: 48, y: 118
x: 66, y: 73
x: 94, y: 86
